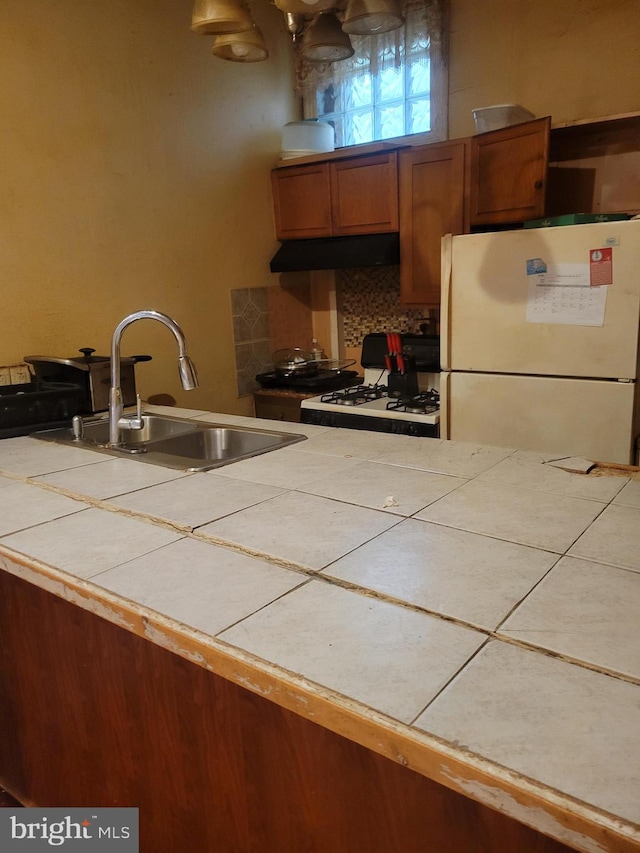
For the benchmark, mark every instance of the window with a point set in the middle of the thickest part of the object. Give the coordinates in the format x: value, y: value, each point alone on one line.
x: 394, y: 85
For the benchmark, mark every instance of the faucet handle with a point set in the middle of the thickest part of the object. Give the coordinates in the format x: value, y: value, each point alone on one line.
x: 130, y: 422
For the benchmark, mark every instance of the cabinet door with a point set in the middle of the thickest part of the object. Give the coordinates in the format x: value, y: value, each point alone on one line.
x: 509, y: 173
x: 278, y: 407
x: 364, y: 194
x: 302, y: 201
x: 431, y: 204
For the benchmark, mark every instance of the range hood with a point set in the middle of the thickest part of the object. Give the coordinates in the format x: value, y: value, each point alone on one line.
x: 334, y: 253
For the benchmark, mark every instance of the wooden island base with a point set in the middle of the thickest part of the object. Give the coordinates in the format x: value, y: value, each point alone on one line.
x: 93, y: 715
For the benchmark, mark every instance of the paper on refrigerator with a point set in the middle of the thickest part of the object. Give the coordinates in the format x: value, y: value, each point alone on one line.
x: 562, y: 293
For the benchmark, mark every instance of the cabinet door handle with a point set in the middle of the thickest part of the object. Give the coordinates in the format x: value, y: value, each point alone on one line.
x: 538, y: 185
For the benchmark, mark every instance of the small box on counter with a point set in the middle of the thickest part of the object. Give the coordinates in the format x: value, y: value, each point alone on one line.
x: 575, y: 219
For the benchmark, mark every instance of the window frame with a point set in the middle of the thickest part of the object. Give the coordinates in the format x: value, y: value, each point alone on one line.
x: 438, y: 98
x: 377, y: 105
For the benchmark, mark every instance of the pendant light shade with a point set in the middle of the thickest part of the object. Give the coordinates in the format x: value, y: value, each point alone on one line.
x: 325, y: 41
x: 304, y: 7
x: 368, y: 17
x: 215, y: 17
x: 248, y: 46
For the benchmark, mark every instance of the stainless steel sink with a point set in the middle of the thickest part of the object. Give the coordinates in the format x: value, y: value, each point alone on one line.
x: 181, y: 443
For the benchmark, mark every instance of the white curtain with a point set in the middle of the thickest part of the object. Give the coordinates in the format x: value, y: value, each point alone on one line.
x: 419, y: 39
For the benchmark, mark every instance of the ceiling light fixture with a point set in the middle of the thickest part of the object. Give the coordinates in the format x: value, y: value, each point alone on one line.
x: 304, y: 7
x: 369, y: 17
x: 247, y: 46
x: 325, y: 41
x: 294, y: 24
x: 216, y: 17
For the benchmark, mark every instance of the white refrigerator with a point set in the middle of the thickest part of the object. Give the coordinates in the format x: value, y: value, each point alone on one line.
x: 539, y: 340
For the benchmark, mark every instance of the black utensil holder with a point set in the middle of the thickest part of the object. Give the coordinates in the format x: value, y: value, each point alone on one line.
x: 402, y: 386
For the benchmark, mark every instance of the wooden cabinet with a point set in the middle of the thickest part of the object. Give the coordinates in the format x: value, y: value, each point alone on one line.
x: 279, y: 404
x: 489, y: 180
x: 509, y: 173
x: 448, y: 188
x: 302, y: 201
x: 93, y: 714
x: 594, y: 167
x: 432, y: 179
x: 356, y: 195
x: 364, y: 194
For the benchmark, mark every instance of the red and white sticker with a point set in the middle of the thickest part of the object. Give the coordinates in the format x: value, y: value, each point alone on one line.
x: 600, y: 267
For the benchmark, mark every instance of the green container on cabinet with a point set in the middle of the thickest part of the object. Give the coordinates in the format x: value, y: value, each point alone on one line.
x: 575, y: 219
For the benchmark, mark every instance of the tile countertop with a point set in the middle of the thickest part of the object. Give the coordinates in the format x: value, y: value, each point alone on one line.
x: 468, y: 611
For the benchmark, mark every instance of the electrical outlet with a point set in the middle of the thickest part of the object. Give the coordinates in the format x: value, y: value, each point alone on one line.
x: 19, y: 374
x: 5, y: 376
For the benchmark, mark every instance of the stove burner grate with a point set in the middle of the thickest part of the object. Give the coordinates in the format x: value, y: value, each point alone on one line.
x: 422, y: 404
x: 355, y: 396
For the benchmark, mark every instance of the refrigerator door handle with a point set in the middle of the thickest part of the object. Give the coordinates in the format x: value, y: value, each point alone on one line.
x: 445, y: 398
x: 445, y: 301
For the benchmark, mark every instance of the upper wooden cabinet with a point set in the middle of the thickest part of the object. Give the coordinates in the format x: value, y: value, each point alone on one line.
x: 364, y: 194
x: 594, y: 167
x: 509, y: 173
x: 432, y: 180
x: 302, y: 201
x: 492, y: 179
x: 357, y: 195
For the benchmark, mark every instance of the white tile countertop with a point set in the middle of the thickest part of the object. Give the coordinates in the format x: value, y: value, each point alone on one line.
x: 471, y: 612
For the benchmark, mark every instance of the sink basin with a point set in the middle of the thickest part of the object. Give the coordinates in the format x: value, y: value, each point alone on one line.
x: 181, y: 443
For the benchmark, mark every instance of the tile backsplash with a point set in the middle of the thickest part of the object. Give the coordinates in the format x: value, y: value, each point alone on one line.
x: 266, y: 319
x: 370, y: 302
x: 249, y: 309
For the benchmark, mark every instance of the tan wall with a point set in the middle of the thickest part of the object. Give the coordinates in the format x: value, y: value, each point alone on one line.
x: 135, y: 174
x: 571, y: 59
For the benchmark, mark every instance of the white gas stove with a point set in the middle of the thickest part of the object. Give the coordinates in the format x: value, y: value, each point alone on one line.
x: 403, y: 401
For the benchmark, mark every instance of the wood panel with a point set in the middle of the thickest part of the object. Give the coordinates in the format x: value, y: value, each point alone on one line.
x: 509, y: 173
x: 619, y: 135
x: 364, y: 195
x: 302, y: 201
x: 93, y: 715
x: 432, y: 190
x: 278, y: 405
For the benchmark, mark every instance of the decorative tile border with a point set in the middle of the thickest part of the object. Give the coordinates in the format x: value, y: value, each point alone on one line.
x: 266, y: 319
x: 249, y: 309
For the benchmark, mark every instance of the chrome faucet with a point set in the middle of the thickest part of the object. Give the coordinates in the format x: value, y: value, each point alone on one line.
x: 188, y: 375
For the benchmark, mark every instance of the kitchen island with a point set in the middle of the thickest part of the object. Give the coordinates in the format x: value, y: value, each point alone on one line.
x: 361, y: 642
